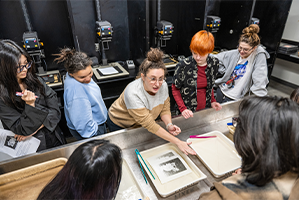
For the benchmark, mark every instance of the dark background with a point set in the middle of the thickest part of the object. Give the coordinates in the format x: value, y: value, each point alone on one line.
x: 71, y: 23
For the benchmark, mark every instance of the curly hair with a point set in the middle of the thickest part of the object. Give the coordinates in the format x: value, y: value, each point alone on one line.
x: 250, y: 35
x: 73, y: 61
x: 153, y: 60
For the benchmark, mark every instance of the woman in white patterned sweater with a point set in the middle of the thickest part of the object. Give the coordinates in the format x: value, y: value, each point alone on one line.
x: 144, y: 100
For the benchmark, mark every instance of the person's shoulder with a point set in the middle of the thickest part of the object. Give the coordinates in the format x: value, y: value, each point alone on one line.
x: 228, y: 52
x: 71, y: 83
x: 261, y: 50
x: 185, y: 62
x: 134, y: 88
x: 73, y: 88
x: 213, y: 59
x: 41, y: 80
x: 235, y: 179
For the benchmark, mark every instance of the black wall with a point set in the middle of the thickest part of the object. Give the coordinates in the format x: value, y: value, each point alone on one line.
x: 234, y: 16
x: 72, y: 23
x: 83, y: 21
x: 271, y: 28
x: 137, y: 29
x: 49, y: 18
x: 187, y: 18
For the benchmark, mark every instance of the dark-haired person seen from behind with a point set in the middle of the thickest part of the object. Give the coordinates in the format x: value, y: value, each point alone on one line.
x: 36, y: 113
x: 85, y: 110
x: 267, y: 139
x: 144, y: 100
x: 93, y: 171
x: 244, y: 69
x: 195, y: 76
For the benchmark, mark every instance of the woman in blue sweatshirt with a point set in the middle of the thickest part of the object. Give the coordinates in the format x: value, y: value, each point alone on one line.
x: 84, y: 108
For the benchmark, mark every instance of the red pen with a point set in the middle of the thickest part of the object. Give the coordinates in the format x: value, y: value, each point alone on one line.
x: 20, y: 94
x: 198, y: 136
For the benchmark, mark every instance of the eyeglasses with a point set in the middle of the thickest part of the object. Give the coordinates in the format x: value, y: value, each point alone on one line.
x: 243, y: 49
x: 154, y: 80
x: 21, y: 67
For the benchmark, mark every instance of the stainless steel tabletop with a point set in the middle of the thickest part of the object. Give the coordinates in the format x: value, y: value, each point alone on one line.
x: 128, y: 140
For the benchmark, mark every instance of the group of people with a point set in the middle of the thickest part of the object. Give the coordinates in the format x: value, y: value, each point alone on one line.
x: 266, y: 136
x: 36, y: 112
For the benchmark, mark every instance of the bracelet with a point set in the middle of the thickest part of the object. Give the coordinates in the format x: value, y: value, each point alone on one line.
x: 169, y: 124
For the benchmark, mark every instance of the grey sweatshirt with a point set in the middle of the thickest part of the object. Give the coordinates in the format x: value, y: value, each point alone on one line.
x: 259, y: 77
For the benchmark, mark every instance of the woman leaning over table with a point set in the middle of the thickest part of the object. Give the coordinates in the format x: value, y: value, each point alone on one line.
x: 195, y: 76
x: 144, y: 100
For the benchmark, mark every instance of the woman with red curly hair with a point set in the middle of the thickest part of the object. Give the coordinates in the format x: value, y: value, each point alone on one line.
x: 194, y: 77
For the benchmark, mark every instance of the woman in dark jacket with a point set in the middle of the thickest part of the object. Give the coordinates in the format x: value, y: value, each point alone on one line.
x: 194, y: 77
x: 35, y: 111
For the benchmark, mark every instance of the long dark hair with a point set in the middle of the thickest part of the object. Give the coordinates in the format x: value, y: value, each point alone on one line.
x: 74, y: 61
x: 267, y: 138
x: 93, y: 171
x: 10, y: 54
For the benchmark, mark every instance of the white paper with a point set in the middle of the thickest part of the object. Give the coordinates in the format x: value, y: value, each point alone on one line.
x: 169, y: 166
x: 128, y: 189
x: 217, y: 154
x: 9, y: 145
x: 129, y: 193
x: 108, y: 70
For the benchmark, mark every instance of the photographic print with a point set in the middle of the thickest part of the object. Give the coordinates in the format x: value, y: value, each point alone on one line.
x: 10, y: 142
x: 169, y: 166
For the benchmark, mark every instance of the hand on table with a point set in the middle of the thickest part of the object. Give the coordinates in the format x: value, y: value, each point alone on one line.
x: 184, y: 147
x: 187, y: 113
x: 216, y: 106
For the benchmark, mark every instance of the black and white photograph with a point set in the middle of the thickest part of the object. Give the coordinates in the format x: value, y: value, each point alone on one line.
x: 169, y: 166
x: 11, y: 142
x: 167, y: 155
x: 172, y: 167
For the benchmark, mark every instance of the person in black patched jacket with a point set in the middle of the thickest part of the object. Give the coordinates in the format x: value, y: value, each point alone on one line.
x: 195, y: 76
x: 28, y: 107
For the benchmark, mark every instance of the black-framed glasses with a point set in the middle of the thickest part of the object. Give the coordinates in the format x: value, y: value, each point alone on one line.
x: 154, y: 80
x: 21, y: 67
x: 244, y: 49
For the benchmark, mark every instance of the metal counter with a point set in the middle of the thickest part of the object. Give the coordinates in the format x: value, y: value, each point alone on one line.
x: 128, y: 140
